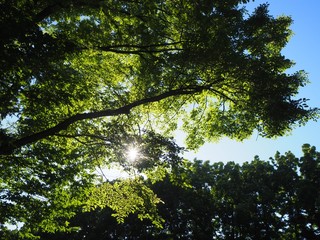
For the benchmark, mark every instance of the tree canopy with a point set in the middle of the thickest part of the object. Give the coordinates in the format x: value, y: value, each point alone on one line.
x: 68, y: 62
x: 276, y: 199
x: 82, y: 80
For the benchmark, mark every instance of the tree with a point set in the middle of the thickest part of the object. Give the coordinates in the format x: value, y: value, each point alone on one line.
x: 277, y: 199
x: 81, y: 80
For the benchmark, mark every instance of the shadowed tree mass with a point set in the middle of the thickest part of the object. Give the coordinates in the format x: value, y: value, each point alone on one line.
x: 80, y: 80
x: 277, y: 199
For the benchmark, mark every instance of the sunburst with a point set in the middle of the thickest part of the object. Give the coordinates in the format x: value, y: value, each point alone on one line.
x: 132, y: 153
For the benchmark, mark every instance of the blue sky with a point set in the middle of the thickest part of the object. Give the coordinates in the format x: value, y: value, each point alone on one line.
x: 304, y: 50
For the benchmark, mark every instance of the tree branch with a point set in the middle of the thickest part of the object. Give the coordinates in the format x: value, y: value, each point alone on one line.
x: 51, y: 9
x: 137, y: 49
x: 77, y: 136
x: 47, y: 11
x: 9, y: 148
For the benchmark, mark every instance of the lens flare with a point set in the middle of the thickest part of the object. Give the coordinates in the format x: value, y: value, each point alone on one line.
x: 132, y: 153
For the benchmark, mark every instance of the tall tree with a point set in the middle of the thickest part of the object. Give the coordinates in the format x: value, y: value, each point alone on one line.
x: 81, y: 80
x: 276, y: 199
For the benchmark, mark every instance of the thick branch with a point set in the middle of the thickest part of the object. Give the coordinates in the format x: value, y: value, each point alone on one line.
x: 9, y: 148
x: 58, y: 5
x: 46, y: 12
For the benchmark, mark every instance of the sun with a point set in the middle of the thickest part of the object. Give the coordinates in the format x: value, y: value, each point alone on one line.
x: 132, y: 153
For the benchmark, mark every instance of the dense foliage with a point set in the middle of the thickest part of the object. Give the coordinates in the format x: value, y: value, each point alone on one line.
x: 80, y: 81
x: 277, y: 199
